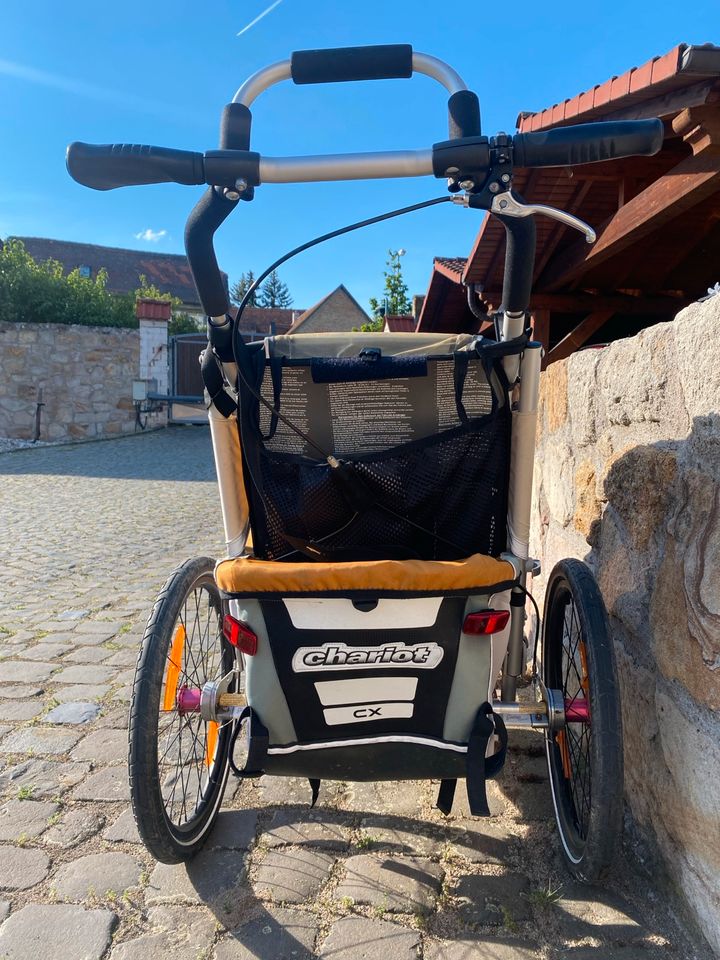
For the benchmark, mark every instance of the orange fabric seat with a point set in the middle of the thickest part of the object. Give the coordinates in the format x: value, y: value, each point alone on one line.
x: 476, y: 574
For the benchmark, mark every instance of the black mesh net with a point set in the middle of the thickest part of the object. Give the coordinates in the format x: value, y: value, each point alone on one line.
x: 441, y: 495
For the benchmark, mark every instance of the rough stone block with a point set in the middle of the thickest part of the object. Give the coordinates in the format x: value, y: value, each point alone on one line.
x: 73, y: 712
x: 77, y: 934
x: 123, y: 830
x: 76, y: 825
x: 276, y: 932
x: 364, y: 938
x: 421, y: 839
x: 484, y: 842
x: 106, y: 785
x: 102, y: 746
x: 398, y: 885
x: 42, y: 778
x: 25, y: 671
x: 319, y: 829
x: 85, y: 674
x: 483, y: 947
x: 292, y: 875
x: 493, y: 900
x: 38, y: 740
x: 97, y: 874
x: 25, y: 818
x: 22, y: 868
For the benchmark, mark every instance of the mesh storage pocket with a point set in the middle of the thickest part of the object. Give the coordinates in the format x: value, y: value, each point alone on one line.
x: 443, y: 497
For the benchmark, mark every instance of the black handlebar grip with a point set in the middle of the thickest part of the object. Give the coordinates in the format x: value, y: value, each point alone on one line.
x: 385, y: 62
x: 588, y: 143
x: 105, y: 166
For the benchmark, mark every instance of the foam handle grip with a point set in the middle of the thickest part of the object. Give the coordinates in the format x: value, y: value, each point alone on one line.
x: 385, y: 62
x: 105, y: 166
x: 588, y: 143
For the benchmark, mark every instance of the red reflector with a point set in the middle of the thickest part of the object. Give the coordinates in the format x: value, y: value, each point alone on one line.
x: 485, y: 622
x: 240, y: 635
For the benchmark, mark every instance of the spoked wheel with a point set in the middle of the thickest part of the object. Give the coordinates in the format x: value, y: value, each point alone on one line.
x: 179, y: 762
x: 585, y: 758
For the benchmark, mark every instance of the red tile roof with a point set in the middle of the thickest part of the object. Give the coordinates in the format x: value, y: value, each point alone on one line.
x: 394, y: 323
x: 683, y: 66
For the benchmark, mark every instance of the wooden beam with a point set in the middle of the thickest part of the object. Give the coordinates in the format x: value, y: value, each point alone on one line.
x: 540, y: 320
x: 548, y: 249
x: 590, y: 303
x: 577, y: 337
x: 689, y: 183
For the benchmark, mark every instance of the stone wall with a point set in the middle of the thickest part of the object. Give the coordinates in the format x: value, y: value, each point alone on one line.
x: 86, y: 375
x: 628, y: 478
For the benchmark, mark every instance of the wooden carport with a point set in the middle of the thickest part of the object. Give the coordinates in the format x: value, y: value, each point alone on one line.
x: 657, y: 218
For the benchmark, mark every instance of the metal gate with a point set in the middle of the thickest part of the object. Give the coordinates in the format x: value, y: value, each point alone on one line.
x: 187, y: 404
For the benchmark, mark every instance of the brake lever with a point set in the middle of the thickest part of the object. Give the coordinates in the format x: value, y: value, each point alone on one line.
x: 507, y: 205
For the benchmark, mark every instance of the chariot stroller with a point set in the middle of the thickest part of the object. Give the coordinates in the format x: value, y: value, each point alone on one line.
x: 368, y: 621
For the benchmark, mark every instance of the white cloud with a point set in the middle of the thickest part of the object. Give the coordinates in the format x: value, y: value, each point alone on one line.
x: 258, y: 19
x: 151, y: 236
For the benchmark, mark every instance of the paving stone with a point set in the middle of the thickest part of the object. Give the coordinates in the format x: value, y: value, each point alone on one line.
x: 233, y: 830
x: 74, y: 933
x: 401, y: 798
x: 123, y: 830
x: 39, y: 740
x: 22, y: 868
x: 61, y: 635
x: 73, y: 615
x: 18, y: 691
x: 528, y: 768
x: 27, y: 818
x: 418, y: 838
x: 103, y: 746
x: 277, y: 933
x: 45, y: 778
x: 284, y: 790
x: 82, y: 692
x: 115, y: 718
x: 585, y: 911
x: 292, y: 875
x: 45, y: 651
x: 18, y: 710
x: 481, y: 947
x: 177, y: 933
x: 106, y: 785
x: 76, y: 825
x: 608, y: 953
x: 88, y: 655
x: 4, y: 910
x: 90, y: 673
x: 4, y: 728
x: 126, y: 657
x: 362, y: 938
x: 26, y: 671
x: 395, y: 884
x: 319, y: 829
x: 93, y: 639
x: 212, y: 877
x: 110, y: 627
x: 485, y: 842
x: 493, y: 900
x: 96, y: 875
x: 73, y: 712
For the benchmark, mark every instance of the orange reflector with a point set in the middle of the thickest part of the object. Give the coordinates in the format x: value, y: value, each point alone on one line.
x: 211, y: 734
x: 240, y: 635
x: 485, y: 622
x: 561, y: 740
x: 173, y: 668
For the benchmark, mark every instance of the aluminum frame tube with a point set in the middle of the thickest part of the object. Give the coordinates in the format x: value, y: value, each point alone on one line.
x: 346, y: 166
x: 228, y: 467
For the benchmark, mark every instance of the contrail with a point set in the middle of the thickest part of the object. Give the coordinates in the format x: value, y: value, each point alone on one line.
x: 258, y: 19
x: 80, y: 89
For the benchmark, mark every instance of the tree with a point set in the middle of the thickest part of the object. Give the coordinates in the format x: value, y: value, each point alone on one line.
x: 241, y: 287
x: 274, y: 293
x: 395, y: 299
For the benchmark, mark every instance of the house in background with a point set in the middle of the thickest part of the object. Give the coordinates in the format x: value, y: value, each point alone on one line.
x: 259, y: 322
x: 169, y: 272
x: 337, y: 312
x: 657, y: 218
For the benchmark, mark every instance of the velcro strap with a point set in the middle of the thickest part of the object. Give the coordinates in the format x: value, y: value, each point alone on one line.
x: 482, y: 730
x: 258, y: 742
x: 446, y: 795
x: 215, y: 384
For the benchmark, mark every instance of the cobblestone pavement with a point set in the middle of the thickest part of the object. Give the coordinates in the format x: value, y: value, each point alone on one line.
x: 89, y: 534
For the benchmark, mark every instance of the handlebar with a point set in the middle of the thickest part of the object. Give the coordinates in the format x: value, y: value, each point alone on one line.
x: 479, y: 165
x: 107, y: 166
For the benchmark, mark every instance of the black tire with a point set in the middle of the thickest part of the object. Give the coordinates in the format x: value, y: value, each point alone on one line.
x: 175, y: 829
x: 585, y: 760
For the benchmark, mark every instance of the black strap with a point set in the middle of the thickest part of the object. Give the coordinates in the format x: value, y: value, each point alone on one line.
x: 215, y: 383
x: 462, y: 359
x: 482, y: 730
x: 258, y: 742
x: 446, y: 795
x: 315, y: 788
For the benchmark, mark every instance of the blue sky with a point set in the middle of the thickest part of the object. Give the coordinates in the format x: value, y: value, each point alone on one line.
x: 159, y: 72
